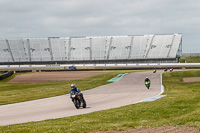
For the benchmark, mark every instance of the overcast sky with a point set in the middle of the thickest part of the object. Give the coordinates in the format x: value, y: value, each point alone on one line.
x: 64, y: 18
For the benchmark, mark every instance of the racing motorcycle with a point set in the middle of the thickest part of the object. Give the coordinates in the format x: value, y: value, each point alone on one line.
x: 154, y: 71
x: 147, y: 83
x: 78, y: 100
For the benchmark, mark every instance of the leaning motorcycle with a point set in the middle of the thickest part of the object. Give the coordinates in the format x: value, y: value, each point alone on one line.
x: 147, y: 83
x: 78, y: 100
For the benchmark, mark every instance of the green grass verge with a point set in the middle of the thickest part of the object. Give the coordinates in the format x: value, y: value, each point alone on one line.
x: 19, y: 92
x: 181, y: 106
x: 189, y: 59
x: 2, y: 73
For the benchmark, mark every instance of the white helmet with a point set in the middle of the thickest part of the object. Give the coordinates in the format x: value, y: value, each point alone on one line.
x: 72, y: 85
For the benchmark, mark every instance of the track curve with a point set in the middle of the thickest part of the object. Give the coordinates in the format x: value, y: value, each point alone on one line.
x: 129, y: 90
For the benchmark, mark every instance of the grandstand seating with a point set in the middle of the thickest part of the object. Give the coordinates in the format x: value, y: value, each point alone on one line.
x: 140, y: 46
x: 160, y: 46
x: 99, y: 48
x: 91, y: 48
x: 5, y: 52
x: 58, y: 49
x: 176, y: 47
x: 80, y: 49
x: 46, y: 52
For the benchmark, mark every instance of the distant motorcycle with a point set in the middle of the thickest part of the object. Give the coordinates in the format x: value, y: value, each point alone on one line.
x: 154, y: 71
x: 78, y: 100
x: 147, y: 83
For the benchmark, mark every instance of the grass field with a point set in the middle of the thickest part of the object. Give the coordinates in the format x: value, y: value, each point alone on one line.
x: 189, y: 59
x: 181, y: 106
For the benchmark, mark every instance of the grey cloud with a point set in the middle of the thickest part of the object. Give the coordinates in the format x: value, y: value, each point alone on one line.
x: 43, y: 18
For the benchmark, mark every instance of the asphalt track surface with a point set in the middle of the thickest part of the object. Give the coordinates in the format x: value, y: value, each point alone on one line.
x: 128, y: 90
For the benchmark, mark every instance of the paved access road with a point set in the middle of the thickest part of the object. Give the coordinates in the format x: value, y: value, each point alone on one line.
x: 128, y: 90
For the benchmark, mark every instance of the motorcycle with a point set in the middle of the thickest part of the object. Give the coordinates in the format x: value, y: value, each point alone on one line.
x: 154, y: 71
x: 147, y: 83
x: 78, y: 100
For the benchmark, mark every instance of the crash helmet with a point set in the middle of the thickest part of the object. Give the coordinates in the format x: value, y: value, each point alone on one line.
x: 146, y: 77
x: 72, y: 85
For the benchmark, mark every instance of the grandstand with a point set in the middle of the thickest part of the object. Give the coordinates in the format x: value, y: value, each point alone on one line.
x: 100, y: 49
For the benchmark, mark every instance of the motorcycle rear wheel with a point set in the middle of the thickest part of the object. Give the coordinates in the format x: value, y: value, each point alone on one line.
x: 84, y: 104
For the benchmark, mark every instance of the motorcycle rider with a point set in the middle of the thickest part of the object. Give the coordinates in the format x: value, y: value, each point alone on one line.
x: 154, y: 71
x: 147, y: 82
x: 74, y: 89
x: 146, y: 79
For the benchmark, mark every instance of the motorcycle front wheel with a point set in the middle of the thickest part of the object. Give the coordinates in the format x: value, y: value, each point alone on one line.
x: 77, y: 103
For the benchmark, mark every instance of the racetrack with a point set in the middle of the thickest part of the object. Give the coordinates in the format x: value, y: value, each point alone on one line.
x: 129, y: 90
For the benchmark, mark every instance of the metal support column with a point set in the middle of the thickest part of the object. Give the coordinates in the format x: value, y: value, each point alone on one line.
x: 51, y: 53
x: 179, y: 52
x: 69, y: 49
x: 108, y: 55
x: 130, y: 51
x: 29, y: 49
x: 105, y: 52
x: 90, y: 49
x: 65, y: 50
x: 24, y: 50
x: 181, y: 47
x: 149, y: 46
x: 171, y: 46
x: 9, y: 49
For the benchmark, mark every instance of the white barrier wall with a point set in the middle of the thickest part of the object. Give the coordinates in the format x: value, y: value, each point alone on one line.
x: 104, y: 65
